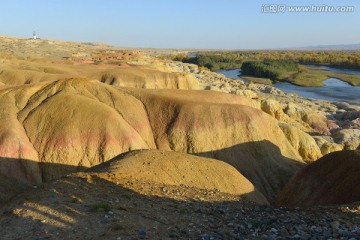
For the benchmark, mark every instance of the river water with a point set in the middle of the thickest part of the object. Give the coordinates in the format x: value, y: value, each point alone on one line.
x: 334, y: 90
x: 339, y: 70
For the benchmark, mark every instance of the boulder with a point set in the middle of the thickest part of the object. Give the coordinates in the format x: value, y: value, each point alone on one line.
x: 316, y: 121
x: 349, y: 115
x: 303, y: 142
x: 247, y: 93
x: 327, y: 145
x: 349, y: 138
x: 275, y: 109
x: 333, y: 179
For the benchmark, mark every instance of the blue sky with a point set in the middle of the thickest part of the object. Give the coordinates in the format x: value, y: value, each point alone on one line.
x: 225, y: 24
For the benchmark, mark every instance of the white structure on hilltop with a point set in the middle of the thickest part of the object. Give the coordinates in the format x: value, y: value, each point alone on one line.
x: 34, y: 35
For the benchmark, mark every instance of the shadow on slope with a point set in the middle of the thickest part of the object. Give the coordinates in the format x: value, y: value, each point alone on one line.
x: 86, y: 206
x: 94, y: 206
x: 32, y: 172
x: 261, y: 162
x: 331, y: 180
x: 18, y: 175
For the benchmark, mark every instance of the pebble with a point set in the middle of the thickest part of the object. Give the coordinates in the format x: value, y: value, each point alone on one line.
x: 205, y: 237
x: 335, y: 224
x: 172, y: 235
x: 141, y: 232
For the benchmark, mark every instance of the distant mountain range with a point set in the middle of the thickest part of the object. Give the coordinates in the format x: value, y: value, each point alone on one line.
x: 334, y: 47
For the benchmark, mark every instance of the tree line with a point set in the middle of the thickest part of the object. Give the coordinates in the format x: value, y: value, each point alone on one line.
x: 213, y: 62
x: 216, y: 60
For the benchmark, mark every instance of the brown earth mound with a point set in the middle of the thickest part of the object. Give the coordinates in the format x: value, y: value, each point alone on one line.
x: 179, y: 169
x: 68, y: 125
x: 333, y: 179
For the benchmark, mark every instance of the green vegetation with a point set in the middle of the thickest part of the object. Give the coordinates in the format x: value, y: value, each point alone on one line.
x: 100, y: 206
x: 351, y: 79
x: 289, y: 71
x: 280, y: 65
x: 273, y: 69
x: 213, y: 62
x: 228, y: 59
x: 307, y: 79
x: 283, y: 70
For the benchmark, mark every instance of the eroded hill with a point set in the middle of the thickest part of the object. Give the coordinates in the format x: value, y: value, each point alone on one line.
x: 79, y: 123
x: 83, y: 113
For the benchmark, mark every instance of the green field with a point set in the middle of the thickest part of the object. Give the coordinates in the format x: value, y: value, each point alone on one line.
x: 313, y: 78
x: 290, y: 71
x: 349, y: 78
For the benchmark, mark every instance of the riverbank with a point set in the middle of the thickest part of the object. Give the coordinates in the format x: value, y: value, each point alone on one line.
x: 332, y: 89
x: 294, y: 73
x: 324, y: 120
x: 356, y: 68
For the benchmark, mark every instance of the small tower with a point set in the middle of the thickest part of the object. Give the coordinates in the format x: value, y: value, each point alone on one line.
x: 34, y: 35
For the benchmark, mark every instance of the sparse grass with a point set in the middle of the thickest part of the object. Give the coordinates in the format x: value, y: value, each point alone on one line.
x: 307, y: 79
x: 315, y: 76
x: 185, y: 211
x: 265, y: 81
x: 351, y: 79
x: 100, y: 206
x: 127, y: 196
x: 303, y: 76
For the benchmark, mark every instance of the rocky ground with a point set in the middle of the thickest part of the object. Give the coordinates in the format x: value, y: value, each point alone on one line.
x: 97, y: 206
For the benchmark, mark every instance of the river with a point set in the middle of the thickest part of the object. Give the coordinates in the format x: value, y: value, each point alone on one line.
x: 334, y: 90
x: 339, y: 70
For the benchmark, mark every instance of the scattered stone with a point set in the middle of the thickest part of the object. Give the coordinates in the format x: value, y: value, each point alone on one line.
x: 141, y: 232
x: 172, y: 235
x: 335, y: 224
